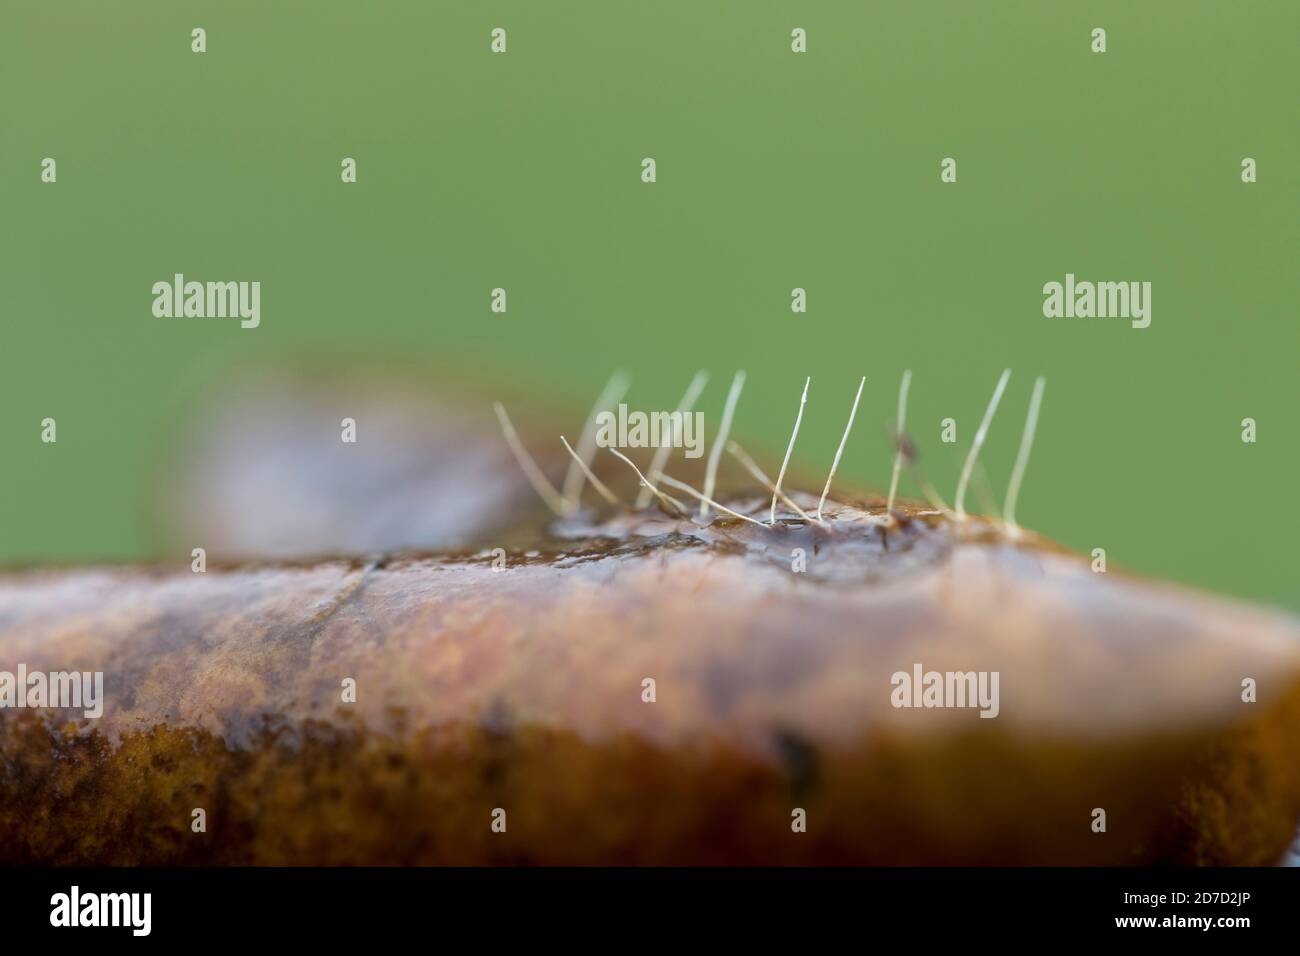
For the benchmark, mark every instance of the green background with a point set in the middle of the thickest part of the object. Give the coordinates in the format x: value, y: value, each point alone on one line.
x: 775, y: 170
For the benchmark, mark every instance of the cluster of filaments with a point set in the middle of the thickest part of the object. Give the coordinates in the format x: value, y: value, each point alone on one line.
x: 564, y: 502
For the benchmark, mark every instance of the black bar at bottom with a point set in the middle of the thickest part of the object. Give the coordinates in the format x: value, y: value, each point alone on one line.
x: 328, y: 907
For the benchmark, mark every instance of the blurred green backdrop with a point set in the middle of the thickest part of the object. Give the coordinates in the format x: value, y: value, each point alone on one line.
x: 775, y: 170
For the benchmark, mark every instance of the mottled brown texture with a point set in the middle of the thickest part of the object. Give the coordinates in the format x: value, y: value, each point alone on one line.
x: 521, y: 689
